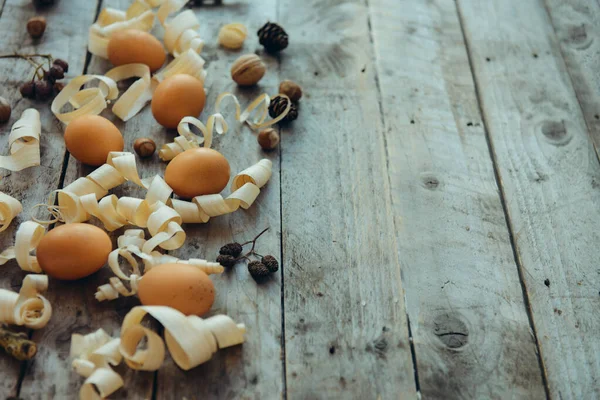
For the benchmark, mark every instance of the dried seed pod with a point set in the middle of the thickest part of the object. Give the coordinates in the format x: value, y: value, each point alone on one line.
x: 17, y: 345
x: 278, y: 105
x: 43, y: 90
x: 258, y: 270
x: 226, y: 260
x: 232, y: 249
x: 268, y: 139
x: 56, y: 72
x: 273, y: 37
x: 61, y: 63
x: 248, y: 70
x: 5, y: 110
x: 28, y: 90
x: 144, y: 147
x: 291, y: 89
x: 270, y: 262
x: 36, y: 27
x: 232, y: 36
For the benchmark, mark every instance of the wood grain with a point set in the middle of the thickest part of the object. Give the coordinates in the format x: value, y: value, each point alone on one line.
x: 549, y: 174
x: 345, y: 323
x: 254, y: 369
x: 32, y: 185
x: 577, y: 27
x: 468, y: 318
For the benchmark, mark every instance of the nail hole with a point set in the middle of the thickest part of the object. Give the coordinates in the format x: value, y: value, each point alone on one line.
x: 412, y: 121
x: 332, y: 350
x: 547, y: 282
x: 469, y: 124
x: 488, y: 59
x: 535, y: 55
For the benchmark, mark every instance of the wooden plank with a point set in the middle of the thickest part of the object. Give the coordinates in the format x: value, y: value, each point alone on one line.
x: 469, y: 322
x: 345, y: 323
x: 255, y: 369
x: 32, y: 186
x: 576, y: 23
x: 549, y: 174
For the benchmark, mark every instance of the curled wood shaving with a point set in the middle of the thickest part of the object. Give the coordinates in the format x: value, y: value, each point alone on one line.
x: 131, y: 243
x: 232, y: 36
x: 28, y: 308
x: 28, y: 237
x: 9, y: 209
x: 181, y: 30
x: 24, y: 142
x: 190, y: 340
x: 254, y: 115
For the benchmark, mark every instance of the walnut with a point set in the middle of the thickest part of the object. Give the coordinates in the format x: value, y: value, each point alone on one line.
x: 248, y: 70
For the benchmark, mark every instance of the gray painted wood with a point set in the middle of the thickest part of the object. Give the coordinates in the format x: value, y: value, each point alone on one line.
x: 463, y: 295
x: 32, y: 185
x: 345, y: 323
x: 253, y: 370
x: 549, y: 174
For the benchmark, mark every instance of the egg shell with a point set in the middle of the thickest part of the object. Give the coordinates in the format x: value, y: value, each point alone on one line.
x: 73, y: 251
x: 181, y: 286
x: 132, y: 46
x: 176, y: 97
x: 91, y: 137
x: 196, y: 172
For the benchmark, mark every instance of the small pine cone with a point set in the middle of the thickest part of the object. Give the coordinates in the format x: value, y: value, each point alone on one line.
x: 270, y: 262
x: 231, y: 249
x: 278, y: 105
x: 273, y: 37
x: 226, y: 260
x: 258, y: 270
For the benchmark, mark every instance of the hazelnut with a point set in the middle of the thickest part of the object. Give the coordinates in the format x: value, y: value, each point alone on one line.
x: 268, y: 139
x: 232, y: 36
x: 291, y: 90
x: 248, y: 70
x: 144, y: 147
x: 5, y: 110
x: 36, y: 27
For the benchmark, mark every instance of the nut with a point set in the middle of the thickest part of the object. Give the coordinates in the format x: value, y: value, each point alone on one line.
x: 248, y: 70
x: 232, y: 36
x: 291, y: 89
x: 144, y: 147
x: 268, y: 139
x: 5, y: 110
x: 36, y: 27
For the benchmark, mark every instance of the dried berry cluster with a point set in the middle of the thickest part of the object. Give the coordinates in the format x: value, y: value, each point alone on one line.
x: 259, y: 268
x: 44, y: 87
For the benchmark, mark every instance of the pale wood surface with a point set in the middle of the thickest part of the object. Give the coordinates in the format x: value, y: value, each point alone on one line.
x: 463, y: 294
x: 549, y: 174
x: 439, y: 172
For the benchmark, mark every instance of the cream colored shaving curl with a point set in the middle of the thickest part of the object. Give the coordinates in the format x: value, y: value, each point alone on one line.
x: 254, y: 115
x: 9, y: 209
x: 131, y: 243
x: 181, y: 30
x: 24, y: 142
x: 190, y: 340
x: 28, y: 308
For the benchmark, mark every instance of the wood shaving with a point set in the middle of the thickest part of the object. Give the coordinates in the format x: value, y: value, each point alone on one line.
x: 24, y: 142
x: 232, y: 36
x: 27, y: 308
x: 9, y: 209
x: 190, y: 340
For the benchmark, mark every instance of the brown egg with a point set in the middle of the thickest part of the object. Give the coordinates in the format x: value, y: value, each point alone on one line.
x: 73, y: 251
x: 181, y: 286
x: 196, y: 172
x: 90, y: 138
x: 133, y: 46
x: 177, y: 97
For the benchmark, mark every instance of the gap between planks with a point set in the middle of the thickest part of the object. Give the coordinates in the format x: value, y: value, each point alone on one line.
x: 503, y: 202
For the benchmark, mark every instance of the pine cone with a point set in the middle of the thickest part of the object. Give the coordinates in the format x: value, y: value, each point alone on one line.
x: 258, y: 270
x: 278, y: 105
x: 226, y: 260
x: 273, y: 37
x: 231, y: 249
x: 271, y: 263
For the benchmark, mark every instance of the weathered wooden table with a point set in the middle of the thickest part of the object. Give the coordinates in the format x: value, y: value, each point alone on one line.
x: 443, y: 168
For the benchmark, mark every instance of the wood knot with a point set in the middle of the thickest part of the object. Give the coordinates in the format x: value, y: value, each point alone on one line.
x: 428, y: 181
x: 577, y: 37
x: 556, y: 132
x: 451, y: 331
